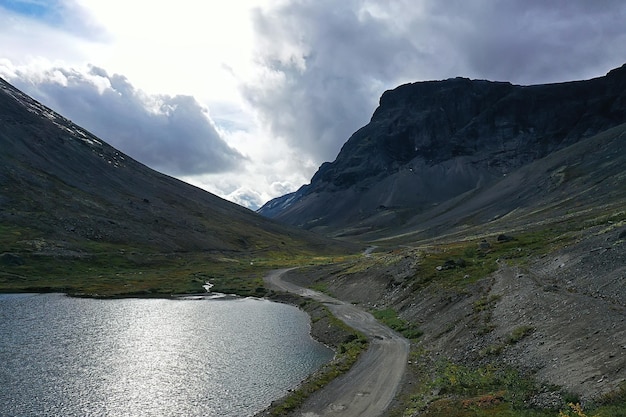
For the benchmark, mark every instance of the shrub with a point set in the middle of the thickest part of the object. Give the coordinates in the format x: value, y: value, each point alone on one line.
x: 576, y: 410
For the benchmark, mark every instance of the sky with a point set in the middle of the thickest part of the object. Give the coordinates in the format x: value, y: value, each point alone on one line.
x: 247, y: 98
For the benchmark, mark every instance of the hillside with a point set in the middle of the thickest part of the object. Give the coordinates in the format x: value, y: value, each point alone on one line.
x: 497, y: 224
x: 518, y: 290
x: 67, y: 197
x: 432, y: 144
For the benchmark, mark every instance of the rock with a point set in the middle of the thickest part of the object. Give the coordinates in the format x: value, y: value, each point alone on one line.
x: 449, y: 264
x: 11, y: 259
x: 548, y: 401
x: 504, y: 238
x: 454, y: 263
x: 430, y: 142
x: 484, y: 245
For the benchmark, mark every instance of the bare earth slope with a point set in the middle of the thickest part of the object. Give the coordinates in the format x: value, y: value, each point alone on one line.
x: 586, y: 177
x: 554, y: 309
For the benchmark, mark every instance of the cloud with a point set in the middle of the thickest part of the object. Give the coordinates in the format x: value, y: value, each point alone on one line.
x: 172, y: 134
x: 272, y: 169
x: 324, y: 64
x: 27, y: 40
x: 530, y: 42
x: 310, y: 71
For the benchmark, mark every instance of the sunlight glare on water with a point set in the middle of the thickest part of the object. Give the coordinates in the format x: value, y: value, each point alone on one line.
x: 149, y: 357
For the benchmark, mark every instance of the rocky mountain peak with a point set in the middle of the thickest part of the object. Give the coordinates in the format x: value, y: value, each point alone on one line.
x: 428, y: 142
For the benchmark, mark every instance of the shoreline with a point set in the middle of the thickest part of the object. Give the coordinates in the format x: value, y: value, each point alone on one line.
x: 370, y: 382
x: 325, y: 328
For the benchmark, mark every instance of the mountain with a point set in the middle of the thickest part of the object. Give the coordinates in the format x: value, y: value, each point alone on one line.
x: 497, y: 223
x: 430, y: 145
x: 66, y: 194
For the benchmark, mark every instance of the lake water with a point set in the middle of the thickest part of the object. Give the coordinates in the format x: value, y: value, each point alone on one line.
x: 63, y: 356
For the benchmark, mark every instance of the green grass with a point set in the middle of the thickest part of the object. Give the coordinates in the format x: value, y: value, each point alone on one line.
x: 458, y: 264
x: 448, y: 389
x: 321, y: 287
x: 389, y: 317
x: 485, y: 303
x: 93, y: 268
x: 611, y: 405
x: 519, y: 333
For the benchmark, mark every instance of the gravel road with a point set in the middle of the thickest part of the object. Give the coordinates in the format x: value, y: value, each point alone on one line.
x: 369, y: 387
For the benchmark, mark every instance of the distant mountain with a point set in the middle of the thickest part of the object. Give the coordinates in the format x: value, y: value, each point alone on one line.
x: 66, y: 187
x: 431, y: 147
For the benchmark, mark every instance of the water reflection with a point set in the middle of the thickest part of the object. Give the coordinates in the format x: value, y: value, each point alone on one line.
x: 149, y: 357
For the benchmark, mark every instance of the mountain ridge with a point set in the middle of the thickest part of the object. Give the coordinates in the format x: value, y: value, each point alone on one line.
x: 429, y: 142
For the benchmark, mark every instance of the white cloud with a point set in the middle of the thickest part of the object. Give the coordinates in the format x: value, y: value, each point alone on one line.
x: 27, y: 41
x: 272, y: 169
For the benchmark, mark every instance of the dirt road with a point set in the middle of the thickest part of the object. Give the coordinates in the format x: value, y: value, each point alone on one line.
x: 368, y: 388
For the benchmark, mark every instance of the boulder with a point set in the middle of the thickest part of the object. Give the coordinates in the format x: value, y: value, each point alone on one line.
x: 11, y: 259
x: 504, y: 238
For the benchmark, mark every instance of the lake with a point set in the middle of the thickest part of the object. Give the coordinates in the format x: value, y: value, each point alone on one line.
x: 63, y: 356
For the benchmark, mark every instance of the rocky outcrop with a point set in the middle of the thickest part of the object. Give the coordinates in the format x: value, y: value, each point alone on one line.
x: 430, y: 142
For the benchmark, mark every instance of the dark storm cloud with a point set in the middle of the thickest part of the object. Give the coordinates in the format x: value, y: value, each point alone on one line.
x: 532, y: 41
x: 327, y: 62
x: 171, y: 134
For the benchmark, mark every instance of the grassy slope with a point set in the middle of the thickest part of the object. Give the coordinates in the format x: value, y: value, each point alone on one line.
x: 32, y: 264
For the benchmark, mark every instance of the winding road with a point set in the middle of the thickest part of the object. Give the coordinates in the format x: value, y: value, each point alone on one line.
x: 369, y: 387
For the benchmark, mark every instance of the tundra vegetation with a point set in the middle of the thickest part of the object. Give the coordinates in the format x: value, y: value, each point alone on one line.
x: 390, y: 280
x: 101, y: 269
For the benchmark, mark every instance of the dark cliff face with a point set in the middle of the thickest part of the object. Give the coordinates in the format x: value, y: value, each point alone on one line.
x: 429, y: 142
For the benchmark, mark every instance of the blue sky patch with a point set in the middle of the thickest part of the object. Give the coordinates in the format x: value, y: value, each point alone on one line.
x: 47, y: 10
